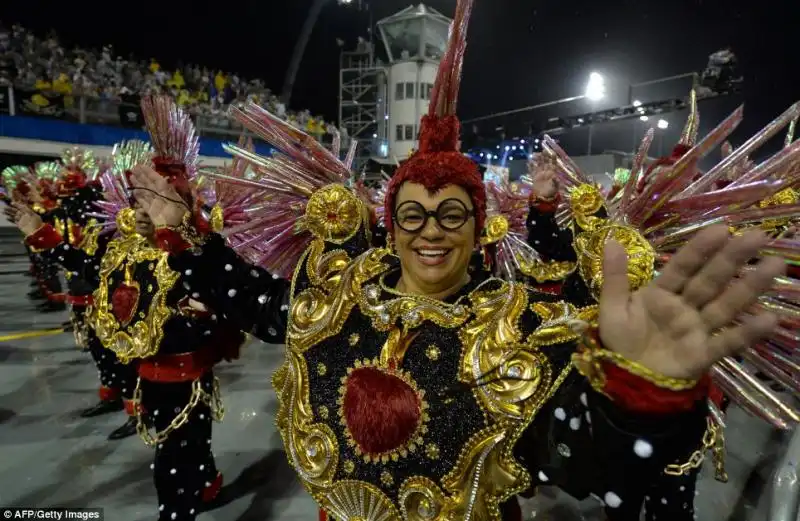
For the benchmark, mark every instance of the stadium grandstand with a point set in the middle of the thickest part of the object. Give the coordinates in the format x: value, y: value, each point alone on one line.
x: 100, y: 86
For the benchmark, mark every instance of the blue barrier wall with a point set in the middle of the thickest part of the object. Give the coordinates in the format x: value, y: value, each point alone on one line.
x: 98, y: 135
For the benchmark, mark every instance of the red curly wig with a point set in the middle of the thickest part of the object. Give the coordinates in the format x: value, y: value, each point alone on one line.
x: 438, y: 164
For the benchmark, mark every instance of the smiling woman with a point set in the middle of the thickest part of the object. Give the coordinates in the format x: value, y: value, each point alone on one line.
x: 413, y: 389
x: 434, y: 246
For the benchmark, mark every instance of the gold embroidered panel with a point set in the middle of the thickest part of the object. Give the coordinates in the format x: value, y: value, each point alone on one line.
x: 399, y: 407
x: 130, y: 305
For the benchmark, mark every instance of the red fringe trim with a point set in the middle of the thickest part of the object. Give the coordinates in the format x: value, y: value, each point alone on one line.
x: 80, y: 300
x: 107, y: 394
x: 130, y: 407
x: 544, y: 205
x: 639, y: 395
x: 171, y: 241
x: 551, y: 288
x: 57, y: 298
x: 45, y: 238
x: 211, y: 492
x: 715, y: 394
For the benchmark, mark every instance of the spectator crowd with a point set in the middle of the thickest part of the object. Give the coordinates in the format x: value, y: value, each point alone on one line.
x: 28, y: 62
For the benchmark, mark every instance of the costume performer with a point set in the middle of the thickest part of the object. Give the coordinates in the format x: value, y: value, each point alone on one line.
x: 44, y: 201
x: 144, y: 313
x: 413, y: 391
x: 18, y: 189
x: 68, y: 236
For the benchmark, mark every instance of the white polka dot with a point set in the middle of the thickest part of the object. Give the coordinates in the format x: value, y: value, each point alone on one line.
x: 612, y: 500
x: 262, y: 299
x: 543, y: 477
x: 195, y: 295
x: 575, y: 423
x: 172, y: 471
x: 188, y: 273
x: 533, y: 223
x: 663, y: 501
x: 584, y: 400
x: 643, y: 448
x: 160, y: 508
x: 228, y: 267
x: 152, y: 466
x: 682, y: 488
x: 560, y: 414
x: 254, y: 274
x: 231, y: 293
x: 202, y: 467
x: 208, y: 484
x: 191, y: 511
x: 174, y: 516
x: 275, y: 276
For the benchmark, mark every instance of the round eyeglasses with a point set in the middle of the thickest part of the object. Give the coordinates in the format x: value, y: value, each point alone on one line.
x: 450, y: 215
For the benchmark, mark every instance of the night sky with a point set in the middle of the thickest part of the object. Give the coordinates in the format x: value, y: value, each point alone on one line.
x: 521, y: 52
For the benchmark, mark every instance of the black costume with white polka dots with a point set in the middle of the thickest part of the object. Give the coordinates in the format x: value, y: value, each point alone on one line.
x: 79, y: 254
x: 177, y: 390
x: 579, y: 440
x: 668, y: 496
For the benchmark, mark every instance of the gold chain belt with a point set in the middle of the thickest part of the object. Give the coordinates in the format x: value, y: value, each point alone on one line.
x: 213, y: 400
x: 714, y: 441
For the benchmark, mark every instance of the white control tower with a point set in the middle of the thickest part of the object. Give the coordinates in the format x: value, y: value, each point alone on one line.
x: 415, y: 40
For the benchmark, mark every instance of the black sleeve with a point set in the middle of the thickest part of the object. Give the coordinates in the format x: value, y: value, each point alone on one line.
x: 247, y: 296
x: 73, y: 260
x: 547, y: 238
x: 583, y: 443
x: 632, y: 452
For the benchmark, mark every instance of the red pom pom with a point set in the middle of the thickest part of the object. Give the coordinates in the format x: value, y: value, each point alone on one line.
x: 381, y: 410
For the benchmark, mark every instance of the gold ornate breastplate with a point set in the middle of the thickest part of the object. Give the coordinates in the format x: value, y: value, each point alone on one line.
x: 130, y: 306
x: 396, y: 407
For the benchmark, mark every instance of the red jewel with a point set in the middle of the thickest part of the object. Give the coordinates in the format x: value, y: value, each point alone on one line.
x: 332, y: 216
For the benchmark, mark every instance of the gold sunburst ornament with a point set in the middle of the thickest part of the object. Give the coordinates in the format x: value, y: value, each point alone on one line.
x: 590, y: 246
x: 334, y: 214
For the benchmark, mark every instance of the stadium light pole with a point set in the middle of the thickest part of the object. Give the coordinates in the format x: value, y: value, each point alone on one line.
x: 300, y: 47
